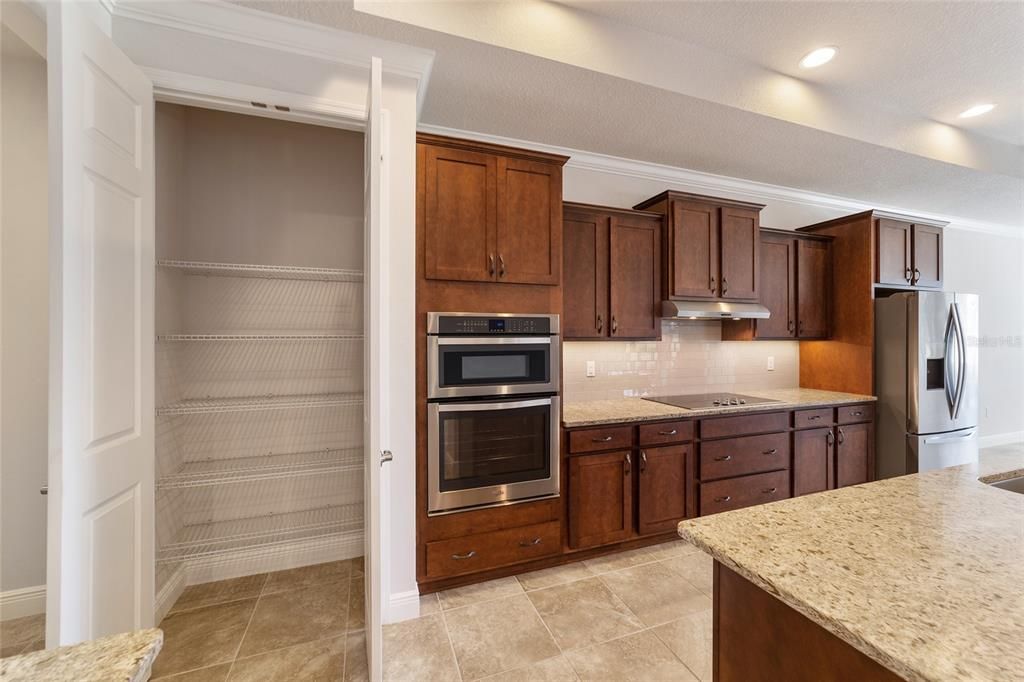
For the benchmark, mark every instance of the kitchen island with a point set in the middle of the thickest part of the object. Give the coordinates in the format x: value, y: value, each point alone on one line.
x: 919, y: 577
x: 125, y: 657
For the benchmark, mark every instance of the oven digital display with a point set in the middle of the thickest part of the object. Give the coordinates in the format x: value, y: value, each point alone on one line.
x: 496, y: 325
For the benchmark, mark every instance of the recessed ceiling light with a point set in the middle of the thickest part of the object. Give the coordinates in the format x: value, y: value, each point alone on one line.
x: 815, y: 58
x: 978, y: 110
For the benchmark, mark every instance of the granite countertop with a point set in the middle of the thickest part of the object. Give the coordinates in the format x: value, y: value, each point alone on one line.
x: 923, y: 573
x: 127, y: 656
x: 596, y: 412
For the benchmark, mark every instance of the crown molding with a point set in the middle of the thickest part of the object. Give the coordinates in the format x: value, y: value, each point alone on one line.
x: 712, y: 184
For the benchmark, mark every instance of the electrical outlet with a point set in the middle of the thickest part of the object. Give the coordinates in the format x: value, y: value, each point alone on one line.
x: 771, y: 363
x: 591, y: 368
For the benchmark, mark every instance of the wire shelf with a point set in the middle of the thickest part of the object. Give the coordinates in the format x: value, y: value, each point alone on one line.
x: 258, y: 403
x: 225, y: 537
x: 263, y: 467
x: 262, y: 271
x: 259, y: 337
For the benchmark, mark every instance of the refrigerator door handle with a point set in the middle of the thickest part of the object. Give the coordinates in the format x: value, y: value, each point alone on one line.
x: 947, y: 366
x: 966, y: 435
x: 961, y: 356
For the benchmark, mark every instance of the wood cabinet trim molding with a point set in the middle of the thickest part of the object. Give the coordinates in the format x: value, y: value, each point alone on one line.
x: 700, y: 198
x: 501, y: 150
x: 579, y: 207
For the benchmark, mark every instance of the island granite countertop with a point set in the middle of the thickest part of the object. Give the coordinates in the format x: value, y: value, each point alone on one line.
x: 127, y: 657
x: 922, y: 573
x: 623, y: 410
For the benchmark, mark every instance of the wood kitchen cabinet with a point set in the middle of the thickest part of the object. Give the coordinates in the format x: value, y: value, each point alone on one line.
x: 908, y: 254
x: 662, y: 487
x: 854, y: 459
x: 491, y: 213
x: 710, y: 246
x: 600, y: 499
x: 838, y: 451
x: 812, y: 460
x: 612, y: 270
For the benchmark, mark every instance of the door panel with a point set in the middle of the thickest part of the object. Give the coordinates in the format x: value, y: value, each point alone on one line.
x: 460, y: 214
x: 927, y: 242
x: 936, y: 354
x: 635, y: 276
x: 854, y: 454
x: 813, y: 288
x: 693, y: 244
x: 529, y: 237
x: 740, y: 244
x: 812, y: 461
x: 585, y: 268
x: 663, y: 487
x: 600, y: 499
x: 100, y: 507
x: 778, y: 272
x: 893, y: 243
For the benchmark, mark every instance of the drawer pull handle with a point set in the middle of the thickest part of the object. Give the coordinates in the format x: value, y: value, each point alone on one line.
x: 723, y: 499
x: 857, y: 413
x: 668, y: 433
x: 769, y: 491
x: 629, y: 464
x: 606, y: 439
x: 468, y: 555
x: 723, y: 458
x: 643, y: 461
x: 770, y: 452
x: 813, y: 417
x: 530, y: 543
x: 842, y: 436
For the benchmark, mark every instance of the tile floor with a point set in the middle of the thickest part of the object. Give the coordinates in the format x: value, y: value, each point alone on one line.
x: 301, y: 624
x: 638, y: 615
x: 22, y: 635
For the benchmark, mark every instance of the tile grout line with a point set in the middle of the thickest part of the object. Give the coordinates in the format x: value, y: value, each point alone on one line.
x: 451, y: 645
x: 248, y: 623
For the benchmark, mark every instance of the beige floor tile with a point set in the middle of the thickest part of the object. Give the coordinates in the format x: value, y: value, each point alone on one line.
x: 557, y: 669
x: 323, y: 659
x: 689, y: 638
x: 202, y: 637
x: 216, y: 673
x: 498, y: 635
x: 356, y: 669
x: 357, y: 565
x: 582, y: 613
x: 656, y: 593
x: 287, y: 618
x: 219, y: 592
x: 37, y: 645
x: 429, y: 603
x: 697, y: 568
x: 472, y: 594
x: 556, y: 575
x: 620, y: 560
x: 308, y: 576
x: 418, y: 649
x: 641, y: 657
x: 21, y: 631
x: 357, y: 605
x: 672, y: 548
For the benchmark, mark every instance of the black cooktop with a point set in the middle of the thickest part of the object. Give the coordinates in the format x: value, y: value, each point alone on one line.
x: 697, y: 401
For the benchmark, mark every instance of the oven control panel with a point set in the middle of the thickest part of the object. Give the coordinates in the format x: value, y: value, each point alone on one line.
x: 486, y: 325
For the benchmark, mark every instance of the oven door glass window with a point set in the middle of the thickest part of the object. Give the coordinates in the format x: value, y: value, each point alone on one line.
x: 488, y: 447
x: 491, y: 365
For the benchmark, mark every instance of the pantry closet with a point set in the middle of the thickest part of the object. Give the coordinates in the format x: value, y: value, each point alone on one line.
x: 259, y: 349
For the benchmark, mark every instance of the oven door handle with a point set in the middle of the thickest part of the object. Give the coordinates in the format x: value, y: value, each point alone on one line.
x: 480, y: 405
x: 493, y: 340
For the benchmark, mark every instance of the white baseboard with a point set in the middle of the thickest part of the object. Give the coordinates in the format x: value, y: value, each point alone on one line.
x: 1001, y: 439
x: 26, y: 601
x: 403, y: 606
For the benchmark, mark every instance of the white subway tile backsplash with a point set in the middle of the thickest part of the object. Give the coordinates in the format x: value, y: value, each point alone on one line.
x: 690, y: 358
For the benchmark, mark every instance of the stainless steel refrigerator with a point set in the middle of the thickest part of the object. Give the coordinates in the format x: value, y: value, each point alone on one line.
x: 926, y: 377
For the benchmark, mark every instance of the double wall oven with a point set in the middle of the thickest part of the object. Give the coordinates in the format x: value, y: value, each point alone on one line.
x: 493, y: 409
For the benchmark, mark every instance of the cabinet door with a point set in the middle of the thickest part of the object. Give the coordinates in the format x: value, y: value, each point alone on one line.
x: 459, y: 214
x: 635, y: 276
x: 893, y: 258
x: 600, y: 499
x: 927, y: 244
x: 693, y: 251
x: 740, y: 245
x: 663, y: 487
x: 778, y: 293
x: 813, y: 288
x: 854, y: 454
x: 585, y: 269
x: 529, y: 241
x: 812, y: 460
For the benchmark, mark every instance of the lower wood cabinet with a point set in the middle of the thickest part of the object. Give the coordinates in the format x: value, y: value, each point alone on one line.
x: 743, y: 491
x: 600, y: 499
x: 482, y: 551
x: 854, y: 453
x: 812, y: 460
x: 663, y: 487
x: 838, y: 453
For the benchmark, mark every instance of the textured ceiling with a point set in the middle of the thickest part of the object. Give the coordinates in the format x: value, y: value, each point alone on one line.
x: 479, y: 87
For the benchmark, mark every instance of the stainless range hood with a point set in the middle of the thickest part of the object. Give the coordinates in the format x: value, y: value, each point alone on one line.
x: 713, y: 310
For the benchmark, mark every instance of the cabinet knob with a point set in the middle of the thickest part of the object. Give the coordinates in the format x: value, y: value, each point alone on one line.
x: 857, y: 413
x: 468, y: 555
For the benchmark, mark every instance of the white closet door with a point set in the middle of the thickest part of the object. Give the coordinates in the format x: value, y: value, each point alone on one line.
x: 375, y: 373
x: 100, y: 544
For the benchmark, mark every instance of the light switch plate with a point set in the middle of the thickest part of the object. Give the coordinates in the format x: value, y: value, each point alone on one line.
x: 771, y: 363
x: 591, y: 368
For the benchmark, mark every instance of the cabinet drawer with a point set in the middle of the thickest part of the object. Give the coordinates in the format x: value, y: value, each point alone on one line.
x: 595, y: 440
x: 736, y: 493
x: 491, y: 550
x: 722, y: 427
x: 740, y: 456
x: 665, y: 432
x: 851, y: 414
x: 810, y: 419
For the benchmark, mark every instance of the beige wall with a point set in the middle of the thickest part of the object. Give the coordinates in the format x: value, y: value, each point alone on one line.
x: 690, y: 358
x: 25, y: 287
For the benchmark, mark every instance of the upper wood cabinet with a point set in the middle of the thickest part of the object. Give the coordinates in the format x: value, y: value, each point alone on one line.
x: 796, y: 286
x: 612, y: 273
x: 490, y: 213
x: 710, y: 247
x: 907, y: 254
